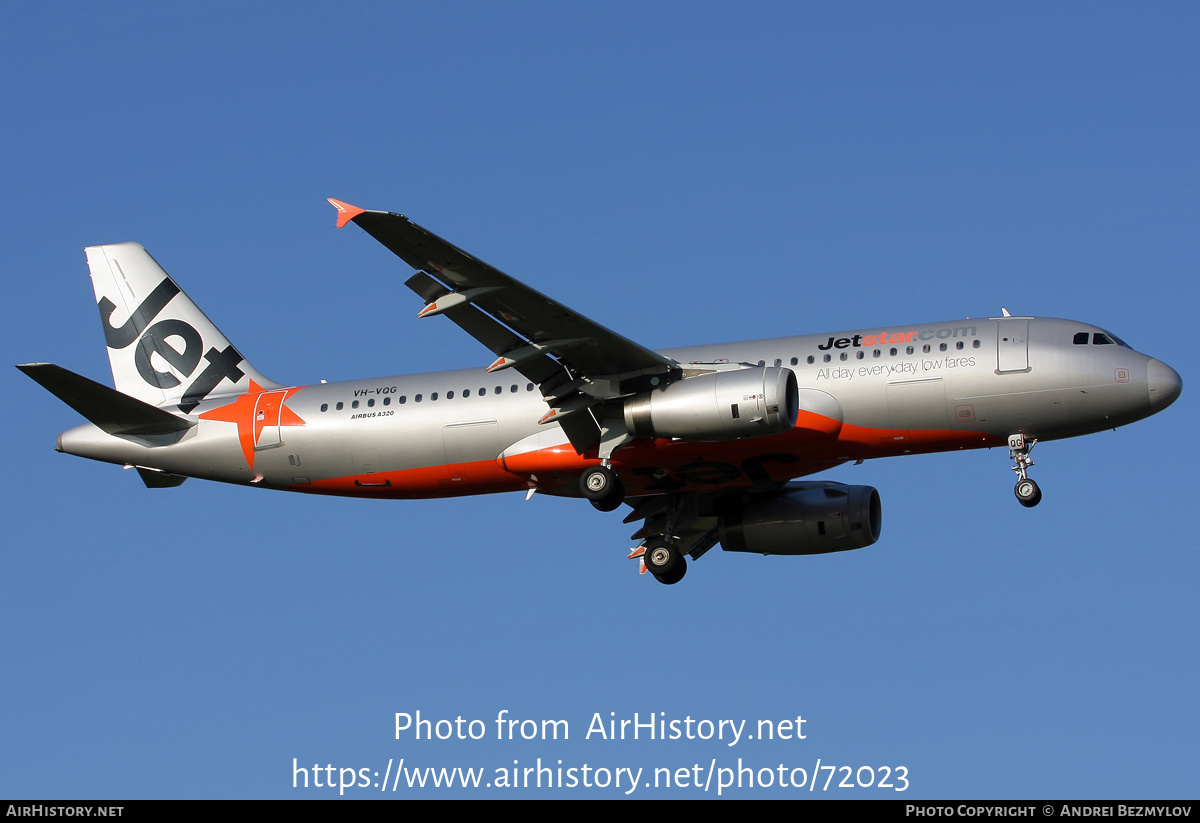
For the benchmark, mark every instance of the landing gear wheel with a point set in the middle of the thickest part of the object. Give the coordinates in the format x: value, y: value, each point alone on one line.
x: 675, y: 576
x: 601, y: 486
x: 663, y: 560
x: 609, y: 504
x: 1027, y: 492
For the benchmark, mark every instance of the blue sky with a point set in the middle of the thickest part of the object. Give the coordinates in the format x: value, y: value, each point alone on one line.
x: 683, y: 174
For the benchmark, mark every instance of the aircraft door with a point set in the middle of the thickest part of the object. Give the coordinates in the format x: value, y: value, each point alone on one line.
x: 1012, y: 345
x: 267, y: 410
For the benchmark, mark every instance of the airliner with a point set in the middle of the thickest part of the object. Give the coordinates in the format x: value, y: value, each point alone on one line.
x: 705, y: 445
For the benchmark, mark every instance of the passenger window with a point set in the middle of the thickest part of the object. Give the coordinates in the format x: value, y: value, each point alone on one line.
x: 387, y: 401
x: 371, y: 403
x: 844, y: 356
x: 417, y: 398
x: 796, y: 360
x: 528, y: 387
x: 942, y: 347
x: 433, y: 395
x: 827, y: 358
x: 762, y: 362
x: 876, y: 353
x: 893, y: 352
x: 859, y: 354
x: 403, y: 400
x: 925, y: 348
x: 811, y: 360
x: 449, y: 395
x: 974, y: 344
x: 909, y: 350
x: 354, y: 405
x: 324, y: 407
x: 959, y: 345
x: 339, y: 405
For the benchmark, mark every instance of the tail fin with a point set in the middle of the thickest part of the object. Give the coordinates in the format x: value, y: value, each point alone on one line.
x: 161, y: 347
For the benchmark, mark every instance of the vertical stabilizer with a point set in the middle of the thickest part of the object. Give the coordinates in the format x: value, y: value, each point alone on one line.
x: 161, y: 347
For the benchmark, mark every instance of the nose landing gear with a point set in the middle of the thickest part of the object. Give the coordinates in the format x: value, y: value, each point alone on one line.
x: 1027, y: 491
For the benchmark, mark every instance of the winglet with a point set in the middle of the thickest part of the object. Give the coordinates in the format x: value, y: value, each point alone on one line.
x: 346, y: 212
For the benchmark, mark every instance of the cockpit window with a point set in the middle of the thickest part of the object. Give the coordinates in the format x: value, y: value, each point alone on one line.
x: 1098, y: 339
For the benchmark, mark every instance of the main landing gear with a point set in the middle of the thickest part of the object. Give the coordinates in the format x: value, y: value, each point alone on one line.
x: 661, y: 555
x: 664, y: 560
x: 665, y: 552
x: 600, y: 485
x: 1027, y: 491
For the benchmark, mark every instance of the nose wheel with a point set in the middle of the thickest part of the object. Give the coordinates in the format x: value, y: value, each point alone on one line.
x: 1027, y: 491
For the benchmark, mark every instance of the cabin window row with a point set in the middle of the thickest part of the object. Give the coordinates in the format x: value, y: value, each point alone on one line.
x: 417, y: 398
x: 892, y: 352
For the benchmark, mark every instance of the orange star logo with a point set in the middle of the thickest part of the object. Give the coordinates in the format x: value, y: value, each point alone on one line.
x: 258, y: 414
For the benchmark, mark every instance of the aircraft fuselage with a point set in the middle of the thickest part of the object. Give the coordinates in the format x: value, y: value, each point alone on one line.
x: 863, y: 394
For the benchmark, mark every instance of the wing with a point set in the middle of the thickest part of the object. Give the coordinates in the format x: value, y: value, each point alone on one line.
x: 576, y: 363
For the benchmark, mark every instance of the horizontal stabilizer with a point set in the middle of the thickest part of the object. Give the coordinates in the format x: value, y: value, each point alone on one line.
x: 112, y: 411
x: 155, y: 479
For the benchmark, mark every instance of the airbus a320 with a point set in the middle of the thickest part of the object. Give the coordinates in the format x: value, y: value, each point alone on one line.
x: 704, y: 444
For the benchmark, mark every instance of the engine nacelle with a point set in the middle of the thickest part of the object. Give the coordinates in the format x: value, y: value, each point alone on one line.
x: 804, y: 518
x: 724, y: 405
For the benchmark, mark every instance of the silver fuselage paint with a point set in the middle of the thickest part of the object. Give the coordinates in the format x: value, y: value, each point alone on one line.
x: 991, y: 376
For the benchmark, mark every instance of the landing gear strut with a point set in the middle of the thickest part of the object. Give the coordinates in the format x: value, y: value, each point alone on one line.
x: 1027, y: 491
x: 600, y: 485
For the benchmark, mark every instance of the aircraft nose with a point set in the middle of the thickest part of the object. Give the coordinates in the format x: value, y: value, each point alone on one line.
x: 1165, y: 384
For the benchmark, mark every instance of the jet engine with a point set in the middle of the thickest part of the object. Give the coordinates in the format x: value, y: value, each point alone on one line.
x: 803, y: 518
x: 723, y: 405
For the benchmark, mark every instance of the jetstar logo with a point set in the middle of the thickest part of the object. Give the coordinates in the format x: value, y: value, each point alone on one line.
x: 255, y: 411
x: 892, y: 338
x: 154, y: 339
